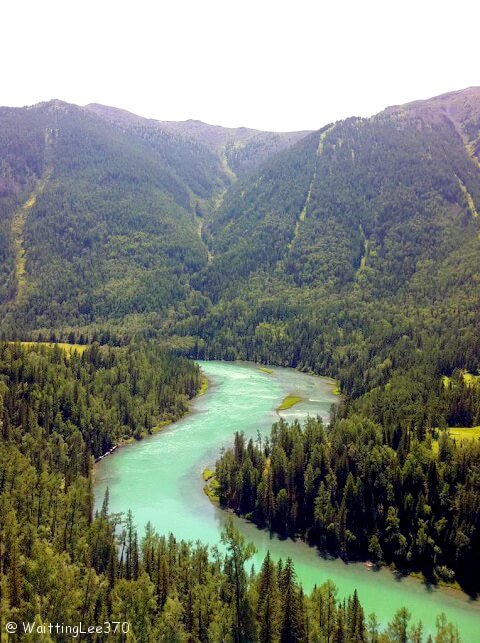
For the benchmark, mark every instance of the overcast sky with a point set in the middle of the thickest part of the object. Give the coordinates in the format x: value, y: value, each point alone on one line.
x: 266, y: 64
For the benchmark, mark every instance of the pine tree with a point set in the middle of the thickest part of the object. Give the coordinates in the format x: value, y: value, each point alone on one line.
x: 446, y: 632
x: 14, y: 570
x: 268, y: 606
x: 238, y: 552
x: 355, y: 620
x: 373, y: 628
x: 340, y: 634
x: 171, y: 628
x: 292, y: 626
x: 398, y: 628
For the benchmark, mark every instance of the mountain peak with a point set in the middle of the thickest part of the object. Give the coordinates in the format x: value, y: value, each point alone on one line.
x: 461, y: 106
x: 54, y: 105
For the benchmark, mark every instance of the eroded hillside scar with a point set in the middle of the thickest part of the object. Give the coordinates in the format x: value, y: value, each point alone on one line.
x: 366, y: 249
x: 468, y: 198
x: 19, y: 221
x: 200, y: 225
x: 469, y: 145
x: 303, y: 213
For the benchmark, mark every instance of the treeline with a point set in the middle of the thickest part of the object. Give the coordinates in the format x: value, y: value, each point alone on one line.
x: 91, y: 399
x: 362, y: 492
x: 389, y: 357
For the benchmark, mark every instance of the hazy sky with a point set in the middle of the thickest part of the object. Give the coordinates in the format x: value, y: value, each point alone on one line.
x: 272, y: 65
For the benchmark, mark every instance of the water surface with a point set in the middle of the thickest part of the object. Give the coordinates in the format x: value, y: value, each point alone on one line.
x: 160, y: 479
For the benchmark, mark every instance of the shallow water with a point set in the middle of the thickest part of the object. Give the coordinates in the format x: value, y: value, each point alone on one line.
x: 160, y: 479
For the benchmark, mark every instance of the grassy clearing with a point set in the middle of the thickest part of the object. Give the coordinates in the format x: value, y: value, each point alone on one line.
x: 460, y: 434
x: 68, y: 348
x: 288, y: 402
x: 464, y: 434
x: 469, y: 379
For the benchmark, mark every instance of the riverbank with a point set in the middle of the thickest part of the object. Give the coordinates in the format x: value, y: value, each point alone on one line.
x: 204, y: 386
x: 211, y: 486
x: 211, y: 489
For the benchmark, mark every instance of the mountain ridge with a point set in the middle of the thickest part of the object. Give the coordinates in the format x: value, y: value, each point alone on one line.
x: 240, y: 149
x: 192, y: 127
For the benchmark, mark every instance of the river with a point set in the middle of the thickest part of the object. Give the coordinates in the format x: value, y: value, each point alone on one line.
x: 160, y: 479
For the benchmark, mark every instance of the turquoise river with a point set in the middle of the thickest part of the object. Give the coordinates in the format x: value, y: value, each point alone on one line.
x: 160, y: 479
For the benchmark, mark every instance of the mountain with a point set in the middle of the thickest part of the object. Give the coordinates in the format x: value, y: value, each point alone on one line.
x: 460, y: 108
x: 101, y: 215
x: 357, y: 183
x: 365, y: 176
x: 96, y: 222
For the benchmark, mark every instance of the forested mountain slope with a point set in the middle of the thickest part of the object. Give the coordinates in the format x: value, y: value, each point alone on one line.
x: 109, y: 229
x: 101, y: 213
x: 241, y: 149
x: 371, y: 192
x: 355, y: 253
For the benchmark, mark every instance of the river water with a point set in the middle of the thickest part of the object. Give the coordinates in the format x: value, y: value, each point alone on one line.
x: 160, y: 479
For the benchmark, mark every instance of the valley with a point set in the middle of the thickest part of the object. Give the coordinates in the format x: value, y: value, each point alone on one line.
x: 281, y: 262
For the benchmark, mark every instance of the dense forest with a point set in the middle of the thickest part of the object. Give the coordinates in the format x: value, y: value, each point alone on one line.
x: 102, y: 214
x: 92, y: 398
x: 354, y: 491
x: 61, y: 563
x: 110, y: 231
